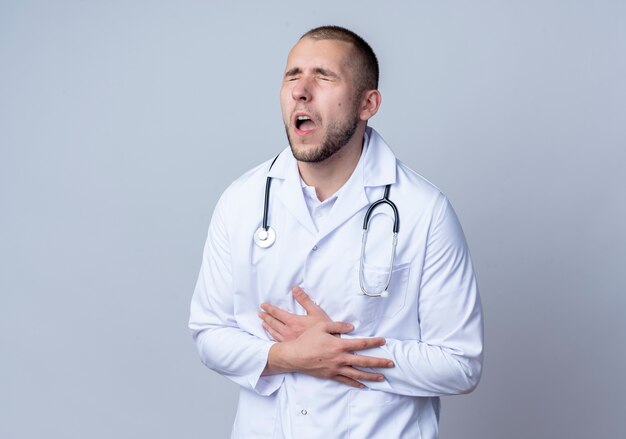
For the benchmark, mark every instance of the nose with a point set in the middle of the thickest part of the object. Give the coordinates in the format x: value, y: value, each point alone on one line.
x: 301, y: 90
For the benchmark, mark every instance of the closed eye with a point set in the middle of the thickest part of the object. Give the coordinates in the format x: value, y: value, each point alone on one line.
x: 293, y: 74
x: 326, y: 75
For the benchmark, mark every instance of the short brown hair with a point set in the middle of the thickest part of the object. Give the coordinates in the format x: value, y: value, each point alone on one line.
x: 366, y: 64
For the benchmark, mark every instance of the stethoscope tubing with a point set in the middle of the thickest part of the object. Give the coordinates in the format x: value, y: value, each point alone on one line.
x: 265, y: 236
x: 268, y: 184
x: 384, y: 200
x: 384, y: 292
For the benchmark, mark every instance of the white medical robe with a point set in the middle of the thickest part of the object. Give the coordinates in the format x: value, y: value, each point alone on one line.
x: 431, y: 319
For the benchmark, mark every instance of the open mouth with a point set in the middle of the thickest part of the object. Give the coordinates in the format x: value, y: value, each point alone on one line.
x: 304, y: 123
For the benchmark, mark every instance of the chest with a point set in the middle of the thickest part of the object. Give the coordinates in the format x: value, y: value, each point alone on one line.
x: 331, y: 267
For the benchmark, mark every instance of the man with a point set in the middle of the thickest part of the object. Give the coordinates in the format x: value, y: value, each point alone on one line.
x: 325, y: 339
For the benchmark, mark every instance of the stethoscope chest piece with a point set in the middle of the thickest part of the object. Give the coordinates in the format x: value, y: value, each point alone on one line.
x: 264, y: 238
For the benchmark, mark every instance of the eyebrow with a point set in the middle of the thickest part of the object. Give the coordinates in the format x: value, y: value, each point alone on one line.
x: 293, y: 71
x: 318, y: 71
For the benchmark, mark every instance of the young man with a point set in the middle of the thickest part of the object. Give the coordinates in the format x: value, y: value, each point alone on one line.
x: 330, y: 335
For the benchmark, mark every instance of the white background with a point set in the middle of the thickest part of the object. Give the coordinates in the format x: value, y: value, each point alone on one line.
x: 122, y: 121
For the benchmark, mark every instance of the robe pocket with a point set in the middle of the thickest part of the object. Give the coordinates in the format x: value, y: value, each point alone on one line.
x: 376, y: 414
x: 367, y: 309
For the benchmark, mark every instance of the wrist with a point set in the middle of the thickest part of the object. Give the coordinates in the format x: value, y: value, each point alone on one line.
x: 277, y: 361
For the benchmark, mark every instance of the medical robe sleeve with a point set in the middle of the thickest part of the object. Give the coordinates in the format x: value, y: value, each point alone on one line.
x: 222, y: 345
x: 447, y: 359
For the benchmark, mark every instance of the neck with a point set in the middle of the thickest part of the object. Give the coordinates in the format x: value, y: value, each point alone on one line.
x: 331, y: 174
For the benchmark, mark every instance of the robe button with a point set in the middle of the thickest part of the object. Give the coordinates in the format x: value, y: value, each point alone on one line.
x: 314, y: 248
x: 304, y: 412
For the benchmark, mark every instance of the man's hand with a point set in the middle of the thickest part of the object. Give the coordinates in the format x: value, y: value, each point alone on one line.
x: 308, y: 344
x: 285, y: 326
x: 318, y: 353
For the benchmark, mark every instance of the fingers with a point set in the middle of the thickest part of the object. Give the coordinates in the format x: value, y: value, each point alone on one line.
x: 359, y: 375
x: 306, y: 302
x: 348, y: 381
x: 274, y: 334
x: 272, y: 321
x: 276, y: 312
x: 369, y: 362
x: 338, y: 328
x: 359, y: 344
x: 274, y: 327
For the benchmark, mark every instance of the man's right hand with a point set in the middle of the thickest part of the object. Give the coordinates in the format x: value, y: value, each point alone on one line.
x: 318, y: 353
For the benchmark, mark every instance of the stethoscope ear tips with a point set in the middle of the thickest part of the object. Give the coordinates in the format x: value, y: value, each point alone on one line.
x: 264, y: 238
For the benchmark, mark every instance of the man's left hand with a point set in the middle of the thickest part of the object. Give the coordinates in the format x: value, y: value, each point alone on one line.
x: 285, y: 326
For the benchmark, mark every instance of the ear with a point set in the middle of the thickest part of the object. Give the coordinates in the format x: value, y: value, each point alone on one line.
x: 370, y: 102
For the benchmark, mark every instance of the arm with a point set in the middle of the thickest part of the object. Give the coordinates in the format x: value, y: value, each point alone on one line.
x: 223, y: 346
x: 447, y: 359
x: 319, y: 352
x: 312, y: 344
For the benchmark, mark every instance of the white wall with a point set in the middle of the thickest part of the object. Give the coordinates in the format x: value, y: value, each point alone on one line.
x: 121, y: 122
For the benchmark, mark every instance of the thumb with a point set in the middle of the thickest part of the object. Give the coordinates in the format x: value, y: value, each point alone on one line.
x: 305, y: 301
x: 338, y: 327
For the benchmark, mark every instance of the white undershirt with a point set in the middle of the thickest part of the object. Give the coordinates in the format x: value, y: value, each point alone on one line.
x: 320, y: 210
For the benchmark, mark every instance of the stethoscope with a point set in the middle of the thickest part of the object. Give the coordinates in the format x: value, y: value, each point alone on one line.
x: 265, y: 236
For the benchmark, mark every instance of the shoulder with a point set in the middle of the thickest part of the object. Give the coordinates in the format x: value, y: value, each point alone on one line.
x: 417, y: 187
x: 411, y: 190
x: 406, y: 175
x: 383, y: 166
x: 242, y: 195
x: 252, y: 180
x: 425, y: 208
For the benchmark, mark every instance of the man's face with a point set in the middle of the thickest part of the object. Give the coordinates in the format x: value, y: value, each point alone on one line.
x: 318, y: 99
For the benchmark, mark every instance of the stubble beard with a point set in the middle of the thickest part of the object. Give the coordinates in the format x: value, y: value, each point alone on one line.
x: 337, y: 136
